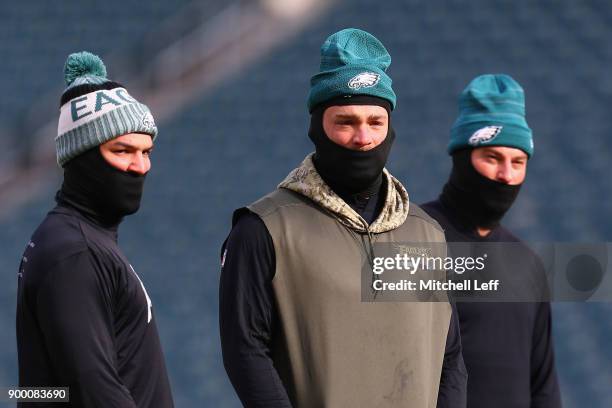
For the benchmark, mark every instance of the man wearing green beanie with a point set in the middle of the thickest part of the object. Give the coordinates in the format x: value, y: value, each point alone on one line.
x: 84, y: 318
x: 294, y: 331
x: 507, y: 347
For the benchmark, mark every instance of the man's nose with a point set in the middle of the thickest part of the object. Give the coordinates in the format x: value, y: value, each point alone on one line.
x: 505, y: 173
x: 139, y: 164
x: 362, y: 136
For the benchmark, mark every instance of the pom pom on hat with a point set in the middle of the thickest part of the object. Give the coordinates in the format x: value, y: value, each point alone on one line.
x: 94, y: 109
x: 84, y: 63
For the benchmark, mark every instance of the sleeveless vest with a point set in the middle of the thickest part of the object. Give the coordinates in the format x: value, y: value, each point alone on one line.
x: 333, y: 349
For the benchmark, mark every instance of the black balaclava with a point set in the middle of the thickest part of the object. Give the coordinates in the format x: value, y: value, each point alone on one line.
x: 349, y: 172
x: 99, y: 190
x: 477, y: 200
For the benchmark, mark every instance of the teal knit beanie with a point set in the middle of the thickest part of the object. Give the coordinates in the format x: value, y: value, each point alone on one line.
x: 95, y: 109
x: 491, y: 113
x: 353, y: 62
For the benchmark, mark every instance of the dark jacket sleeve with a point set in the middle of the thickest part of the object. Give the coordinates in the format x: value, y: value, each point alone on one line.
x: 74, y: 311
x: 544, y: 385
x: 247, y: 314
x: 453, y: 381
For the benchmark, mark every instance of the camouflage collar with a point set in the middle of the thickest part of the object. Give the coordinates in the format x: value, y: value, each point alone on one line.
x: 305, y: 180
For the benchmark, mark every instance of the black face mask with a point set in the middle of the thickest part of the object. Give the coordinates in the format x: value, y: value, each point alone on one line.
x: 348, y: 171
x: 100, y: 190
x: 479, y: 201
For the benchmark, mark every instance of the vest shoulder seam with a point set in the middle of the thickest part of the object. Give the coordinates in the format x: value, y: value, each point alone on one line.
x: 267, y: 210
x: 418, y: 212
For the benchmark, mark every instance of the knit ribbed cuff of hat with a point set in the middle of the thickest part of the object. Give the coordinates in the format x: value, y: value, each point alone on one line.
x: 98, y: 128
x: 487, y: 133
x: 350, y: 80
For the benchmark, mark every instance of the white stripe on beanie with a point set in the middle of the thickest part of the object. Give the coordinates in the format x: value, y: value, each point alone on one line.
x: 88, y: 107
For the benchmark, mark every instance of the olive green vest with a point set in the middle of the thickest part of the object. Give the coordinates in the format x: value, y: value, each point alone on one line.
x: 335, y: 350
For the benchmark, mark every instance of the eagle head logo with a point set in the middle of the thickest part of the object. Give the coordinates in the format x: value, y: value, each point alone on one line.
x: 484, y: 135
x: 147, y: 121
x: 364, y: 80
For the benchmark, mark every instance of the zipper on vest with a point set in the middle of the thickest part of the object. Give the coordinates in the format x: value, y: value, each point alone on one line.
x: 371, y: 259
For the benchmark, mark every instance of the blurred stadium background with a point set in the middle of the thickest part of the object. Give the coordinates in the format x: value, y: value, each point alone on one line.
x: 227, y: 82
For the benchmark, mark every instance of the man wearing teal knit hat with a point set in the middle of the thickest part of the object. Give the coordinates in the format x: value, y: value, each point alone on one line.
x: 492, y: 113
x: 294, y: 329
x: 507, y: 347
x: 84, y: 318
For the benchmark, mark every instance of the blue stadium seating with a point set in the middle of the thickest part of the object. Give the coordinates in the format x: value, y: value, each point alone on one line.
x: 238, y: 141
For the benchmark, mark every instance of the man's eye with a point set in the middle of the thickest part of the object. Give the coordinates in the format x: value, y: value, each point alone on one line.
x: 147, y: 152
x: 122, y: 151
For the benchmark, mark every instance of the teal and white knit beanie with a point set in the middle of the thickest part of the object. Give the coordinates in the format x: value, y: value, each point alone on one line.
x: 95, y: 110
x: 353, y: 62
x: 491, y: 113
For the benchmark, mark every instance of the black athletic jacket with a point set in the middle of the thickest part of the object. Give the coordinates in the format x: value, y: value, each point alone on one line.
x: 84, y: 319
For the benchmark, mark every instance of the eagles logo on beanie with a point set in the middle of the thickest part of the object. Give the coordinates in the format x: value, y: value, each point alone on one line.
x: 491, y: 113
x: 353, y: 62
x: 94, y: 109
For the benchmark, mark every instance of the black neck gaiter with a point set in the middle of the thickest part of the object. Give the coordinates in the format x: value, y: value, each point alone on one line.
x: 477, y: 200
x: 349, y: 172
x: 99, y: 190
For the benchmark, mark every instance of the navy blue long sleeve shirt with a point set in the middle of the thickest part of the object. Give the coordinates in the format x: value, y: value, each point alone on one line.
x: 507, y: 347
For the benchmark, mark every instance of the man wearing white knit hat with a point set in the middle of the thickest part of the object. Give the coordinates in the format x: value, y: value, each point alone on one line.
x: 84, y: 318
